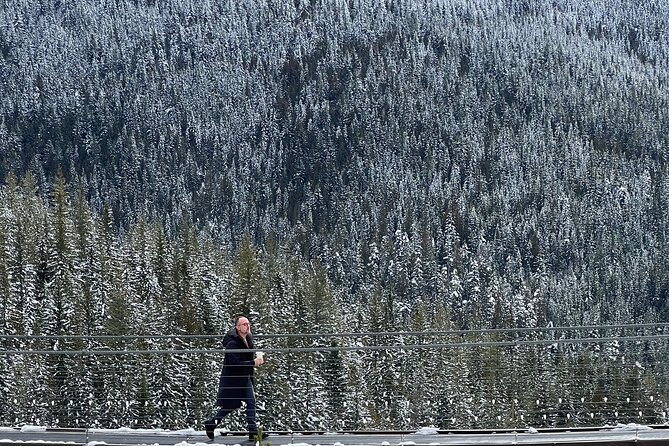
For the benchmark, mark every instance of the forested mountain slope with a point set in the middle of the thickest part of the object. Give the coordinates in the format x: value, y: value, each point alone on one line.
x: 501, y: 162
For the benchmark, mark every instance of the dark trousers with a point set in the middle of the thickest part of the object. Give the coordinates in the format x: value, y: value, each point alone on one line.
x: 250, y: 400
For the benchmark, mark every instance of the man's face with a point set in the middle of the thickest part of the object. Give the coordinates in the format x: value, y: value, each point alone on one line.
x: 243, y: 326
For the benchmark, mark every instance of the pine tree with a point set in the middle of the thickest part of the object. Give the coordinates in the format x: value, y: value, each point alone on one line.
x: 247, y: 298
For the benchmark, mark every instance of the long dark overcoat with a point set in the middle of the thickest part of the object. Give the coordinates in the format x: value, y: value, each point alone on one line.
x: 237, y: 369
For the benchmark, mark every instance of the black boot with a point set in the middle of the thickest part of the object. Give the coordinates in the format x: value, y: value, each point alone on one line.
x: 209, y: 429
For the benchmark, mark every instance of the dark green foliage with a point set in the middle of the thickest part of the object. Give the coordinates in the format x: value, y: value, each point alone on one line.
x: 321, y: 123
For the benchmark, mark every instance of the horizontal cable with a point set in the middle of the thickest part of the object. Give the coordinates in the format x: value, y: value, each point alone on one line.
x: 354, y: 334
x: 512, y: 343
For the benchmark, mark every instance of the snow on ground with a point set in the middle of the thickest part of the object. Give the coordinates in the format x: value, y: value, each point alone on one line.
x: 632, y: 427
x: 33, y: 429
x: 429, y: 435
x: 427, y: 431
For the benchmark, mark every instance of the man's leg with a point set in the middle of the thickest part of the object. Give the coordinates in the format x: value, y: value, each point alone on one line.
x: 251, y: 412
x: 250, y: 400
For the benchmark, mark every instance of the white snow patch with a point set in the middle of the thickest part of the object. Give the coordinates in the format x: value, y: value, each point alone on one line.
x: 632, y: 427
x: 127, y: 430
x: 33, y: 428
x: 428, y: 431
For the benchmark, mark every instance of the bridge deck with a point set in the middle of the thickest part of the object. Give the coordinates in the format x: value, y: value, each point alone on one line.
x: 599, y: 437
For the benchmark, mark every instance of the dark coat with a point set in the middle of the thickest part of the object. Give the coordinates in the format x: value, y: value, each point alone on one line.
x: 237, y: 371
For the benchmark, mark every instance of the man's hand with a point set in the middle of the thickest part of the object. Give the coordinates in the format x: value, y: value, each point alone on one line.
x: 259, y: 361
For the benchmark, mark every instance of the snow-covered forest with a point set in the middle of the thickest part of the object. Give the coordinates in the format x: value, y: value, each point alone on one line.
x: 328, y: 166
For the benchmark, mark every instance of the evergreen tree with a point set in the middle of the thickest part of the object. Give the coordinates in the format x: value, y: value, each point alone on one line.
x: 247, y: 298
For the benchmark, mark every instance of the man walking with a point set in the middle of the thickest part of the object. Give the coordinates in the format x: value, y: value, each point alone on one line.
x: 236, y: 384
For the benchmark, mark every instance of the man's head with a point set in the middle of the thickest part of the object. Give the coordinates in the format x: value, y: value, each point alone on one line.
x: 242, y: 326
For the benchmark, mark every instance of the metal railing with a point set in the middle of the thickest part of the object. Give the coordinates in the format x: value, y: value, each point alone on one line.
x: 507, y: 378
